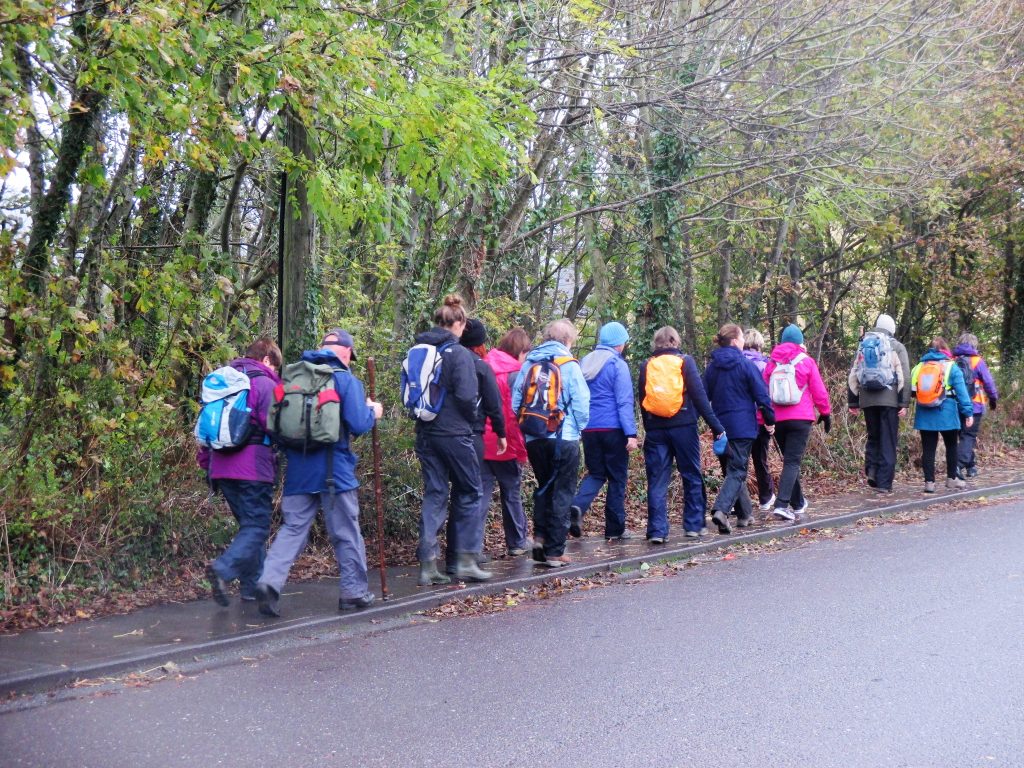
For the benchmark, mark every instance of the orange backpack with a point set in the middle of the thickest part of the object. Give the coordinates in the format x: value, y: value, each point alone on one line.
x: 664, y: 388
x: 930, y: 382
x: 539, y: 414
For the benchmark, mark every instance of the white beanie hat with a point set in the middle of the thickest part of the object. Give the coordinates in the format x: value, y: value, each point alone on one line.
x: 886, y: 323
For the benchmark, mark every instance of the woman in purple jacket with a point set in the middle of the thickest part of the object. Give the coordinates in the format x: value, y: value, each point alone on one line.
x: 753, y: 344
x: 246, y: 478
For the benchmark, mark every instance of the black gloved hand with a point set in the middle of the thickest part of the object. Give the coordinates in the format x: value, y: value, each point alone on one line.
x: 826, y: 421
x: 992, y: 402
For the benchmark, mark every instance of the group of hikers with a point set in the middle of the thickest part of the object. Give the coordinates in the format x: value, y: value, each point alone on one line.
x: 481, y: 413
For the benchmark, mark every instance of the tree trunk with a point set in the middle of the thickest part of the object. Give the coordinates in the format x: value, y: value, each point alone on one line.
x: 300, y: 302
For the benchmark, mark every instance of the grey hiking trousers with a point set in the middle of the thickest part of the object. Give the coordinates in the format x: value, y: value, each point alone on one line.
x: 342, y: 521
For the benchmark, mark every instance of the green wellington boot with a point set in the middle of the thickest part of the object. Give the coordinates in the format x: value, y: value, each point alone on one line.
x: 466, y: 568
x: 430, y: 575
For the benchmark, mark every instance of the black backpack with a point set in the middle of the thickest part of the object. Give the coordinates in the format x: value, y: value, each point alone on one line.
x: 963, y: 362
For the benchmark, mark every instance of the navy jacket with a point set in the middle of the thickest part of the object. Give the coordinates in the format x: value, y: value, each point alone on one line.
x: 695, y: 401
x: 736, y: 390
x: 306, y: 471
x: 490, y: 406
x: 458, y: 413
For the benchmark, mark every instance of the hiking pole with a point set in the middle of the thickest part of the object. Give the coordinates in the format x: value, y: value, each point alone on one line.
x: 371, y: 375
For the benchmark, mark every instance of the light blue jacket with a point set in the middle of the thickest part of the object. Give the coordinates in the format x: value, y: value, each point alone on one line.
x: 947, y: 415
x: 611, y: 391
x: 574, y: 398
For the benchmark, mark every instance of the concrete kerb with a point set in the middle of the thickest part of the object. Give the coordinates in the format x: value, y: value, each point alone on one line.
x: 190, y: 654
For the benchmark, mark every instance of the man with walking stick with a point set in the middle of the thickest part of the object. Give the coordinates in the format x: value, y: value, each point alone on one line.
x: 318, y: 406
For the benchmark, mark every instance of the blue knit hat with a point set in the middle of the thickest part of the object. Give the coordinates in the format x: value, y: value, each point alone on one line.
x: 792, y: 335
x: 613, y: 334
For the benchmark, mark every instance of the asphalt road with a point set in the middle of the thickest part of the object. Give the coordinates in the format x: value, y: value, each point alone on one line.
x: 898, y: 646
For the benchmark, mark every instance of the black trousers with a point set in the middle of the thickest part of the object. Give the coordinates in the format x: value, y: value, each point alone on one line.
x: 883, y: 423
x: 929, y: 444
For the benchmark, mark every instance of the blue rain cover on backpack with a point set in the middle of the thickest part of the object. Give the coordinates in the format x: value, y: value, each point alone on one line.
x: 225, y: 421
x: 875, y: 369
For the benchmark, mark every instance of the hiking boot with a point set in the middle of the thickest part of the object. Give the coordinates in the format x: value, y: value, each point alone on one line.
x: 466, y: 568
x: 449, y: 568
x: 626, y: 535
x: 575, y: 517
x: 537, y: 551
x: 972, y: 471
x: 955, y: 483
x: 248, y: 594
x: 218, y: 587
x: 802, y: 509
x: 961, y: 473
x: 430, y: 575
x: 356, y: 603
x: 745, y: 522
x: 266, y: 599
x: 516, y: 552
x: 768, y: 504
x: 656, y: 539
x: 482, y: 558
x: 691, y: 535
x: 784, y: 512
x: 721, y: 519
x: 559, y: 561
x: 929, y: 486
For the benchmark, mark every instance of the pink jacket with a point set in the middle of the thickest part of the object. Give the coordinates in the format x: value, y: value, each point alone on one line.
x: 503, y: 366
x: 807, y: 378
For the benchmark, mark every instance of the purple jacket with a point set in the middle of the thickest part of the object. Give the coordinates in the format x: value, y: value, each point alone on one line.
x: 756, y: 358
x: 255, y: 463
x: 982, y: 375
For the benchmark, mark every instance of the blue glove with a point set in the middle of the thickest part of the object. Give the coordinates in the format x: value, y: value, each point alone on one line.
x: 721, y: 445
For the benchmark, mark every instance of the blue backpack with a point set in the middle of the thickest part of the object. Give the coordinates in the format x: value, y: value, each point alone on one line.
x: 225, y: 417
x: 874, y: 366
x: 422, y: 393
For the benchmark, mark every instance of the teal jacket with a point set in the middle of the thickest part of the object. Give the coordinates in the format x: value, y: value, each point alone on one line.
x: 947, y: 415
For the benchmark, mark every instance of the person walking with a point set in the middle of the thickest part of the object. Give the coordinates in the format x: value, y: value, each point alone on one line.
x: 984, y: 395
x: 796, y: 391
x: 737, y: 394
x: 672, y: 397
x: 941, y: 402
x: 753, y: 344
x: 610, y: 435
x: 325, y: 478
x: 489, y: 414
x: 245, y: 477
x: 551, y: 376
x: 447, y: 452
x: 879, y: 385
x: 503, y: 464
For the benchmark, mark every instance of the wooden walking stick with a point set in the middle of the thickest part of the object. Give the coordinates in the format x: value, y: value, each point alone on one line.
x: 378, y: 493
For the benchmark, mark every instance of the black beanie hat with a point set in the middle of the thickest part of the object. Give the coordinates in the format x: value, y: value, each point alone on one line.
x: 474, y: 334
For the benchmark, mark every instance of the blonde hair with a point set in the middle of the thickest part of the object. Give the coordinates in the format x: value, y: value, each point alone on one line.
x: 753, y: 339
x: 562, y: 331
x: 728, y: 333
x: 666, y: 337
x: 450, y: 312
